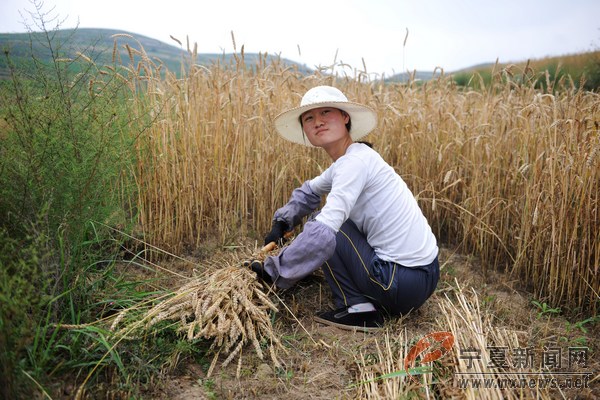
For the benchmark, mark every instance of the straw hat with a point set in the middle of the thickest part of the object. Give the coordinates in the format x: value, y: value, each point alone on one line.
x: 363, y: 118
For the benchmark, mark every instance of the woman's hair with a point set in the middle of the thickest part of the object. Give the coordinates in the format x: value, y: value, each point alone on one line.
x: 349, y: 124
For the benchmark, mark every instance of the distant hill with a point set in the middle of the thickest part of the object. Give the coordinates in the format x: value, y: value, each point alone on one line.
x: 580, y: 68
x: 98, y: 45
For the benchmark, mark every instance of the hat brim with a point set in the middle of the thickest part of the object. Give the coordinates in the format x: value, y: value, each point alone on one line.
x: 363, y: 118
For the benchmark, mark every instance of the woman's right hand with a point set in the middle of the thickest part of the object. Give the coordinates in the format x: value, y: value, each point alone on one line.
x: 277, y: 232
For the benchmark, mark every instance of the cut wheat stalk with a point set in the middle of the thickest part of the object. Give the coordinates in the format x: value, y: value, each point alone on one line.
x: 226, y: 306
x: 474, y: 330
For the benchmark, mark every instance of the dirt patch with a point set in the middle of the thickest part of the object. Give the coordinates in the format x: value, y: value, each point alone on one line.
x: 322, y: 362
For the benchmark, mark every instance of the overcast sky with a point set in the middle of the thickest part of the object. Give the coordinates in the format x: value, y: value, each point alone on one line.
x: 451, y: 34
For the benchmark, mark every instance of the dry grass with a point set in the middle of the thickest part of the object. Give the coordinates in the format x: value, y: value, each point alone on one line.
x: 324, y: 362
x: 387, y: 360
x: 381, y: 373
x: 477, y: 330
x: 225, y: 306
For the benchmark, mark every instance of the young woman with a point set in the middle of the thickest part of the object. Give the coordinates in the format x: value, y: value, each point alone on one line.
x: 375, y: 247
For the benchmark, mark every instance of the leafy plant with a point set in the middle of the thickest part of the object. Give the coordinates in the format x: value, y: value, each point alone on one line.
x: 545, y: 309
x: 209, y: 387
x: 580, y: 325
x: 22, y: 288
x: 65, y: 153
x: 488, y: 300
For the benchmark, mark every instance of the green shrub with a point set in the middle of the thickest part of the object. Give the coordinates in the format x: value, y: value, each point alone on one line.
x: 67, y: 137
x: 23, y: 285
x: 65, y: 145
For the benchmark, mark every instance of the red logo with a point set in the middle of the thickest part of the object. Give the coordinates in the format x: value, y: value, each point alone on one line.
x: 444, y: 342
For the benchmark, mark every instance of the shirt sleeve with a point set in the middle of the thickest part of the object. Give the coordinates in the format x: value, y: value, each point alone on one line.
x: 307, y: 253
x: 302, y: 202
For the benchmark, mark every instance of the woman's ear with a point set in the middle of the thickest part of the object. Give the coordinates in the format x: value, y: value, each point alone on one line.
x: 346, y: 116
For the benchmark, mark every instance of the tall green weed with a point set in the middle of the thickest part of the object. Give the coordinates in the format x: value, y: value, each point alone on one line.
x: 23, y: 288
x: 67, y: 136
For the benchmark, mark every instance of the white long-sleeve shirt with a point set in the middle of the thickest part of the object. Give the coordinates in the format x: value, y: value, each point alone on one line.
x: 361, y: 186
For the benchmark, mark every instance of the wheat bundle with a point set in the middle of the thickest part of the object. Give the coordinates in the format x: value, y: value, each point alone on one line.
x: 227, y: 306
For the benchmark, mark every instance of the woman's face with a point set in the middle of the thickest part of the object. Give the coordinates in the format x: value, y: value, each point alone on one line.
x: 325, y: 126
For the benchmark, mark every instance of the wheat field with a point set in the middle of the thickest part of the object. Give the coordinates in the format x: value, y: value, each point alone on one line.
x: 509, y: 173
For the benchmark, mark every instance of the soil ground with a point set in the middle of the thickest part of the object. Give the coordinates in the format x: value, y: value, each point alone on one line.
x: 322, y: 361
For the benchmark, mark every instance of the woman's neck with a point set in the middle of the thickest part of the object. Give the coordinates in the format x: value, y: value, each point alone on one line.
x: 338, y: 149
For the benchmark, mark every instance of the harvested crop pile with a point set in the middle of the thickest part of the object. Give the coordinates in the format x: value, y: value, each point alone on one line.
x: 226, y: 306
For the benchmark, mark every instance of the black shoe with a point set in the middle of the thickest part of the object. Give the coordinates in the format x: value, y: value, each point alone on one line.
x: 369, y: 321
x: 258, y: 268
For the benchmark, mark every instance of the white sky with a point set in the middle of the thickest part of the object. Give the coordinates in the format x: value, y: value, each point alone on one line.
x: 451, y: 34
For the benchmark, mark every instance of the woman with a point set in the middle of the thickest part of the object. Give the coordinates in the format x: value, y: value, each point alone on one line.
x: 375, y: 247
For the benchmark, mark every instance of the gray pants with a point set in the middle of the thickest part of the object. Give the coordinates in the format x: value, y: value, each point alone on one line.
x: 356, y: 275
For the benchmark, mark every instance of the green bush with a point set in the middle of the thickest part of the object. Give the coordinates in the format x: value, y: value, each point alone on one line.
x: 23, y: 285
x: 66, y: 152
x: 65, y: 145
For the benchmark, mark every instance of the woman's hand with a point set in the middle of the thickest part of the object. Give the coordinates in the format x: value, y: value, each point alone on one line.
x: 277, y: 233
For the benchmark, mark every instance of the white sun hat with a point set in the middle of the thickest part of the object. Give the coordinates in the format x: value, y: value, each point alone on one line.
x: 363, y: 119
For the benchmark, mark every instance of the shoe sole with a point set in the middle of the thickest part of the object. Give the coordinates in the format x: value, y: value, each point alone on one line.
x: 347, y: 327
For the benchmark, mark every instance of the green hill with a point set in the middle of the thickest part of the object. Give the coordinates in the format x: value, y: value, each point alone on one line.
x: 98, y: 44
x: 583, y: 69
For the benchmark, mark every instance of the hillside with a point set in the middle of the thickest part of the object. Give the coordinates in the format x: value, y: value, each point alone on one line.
x: 98, y: 44
x: 582, y: 68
